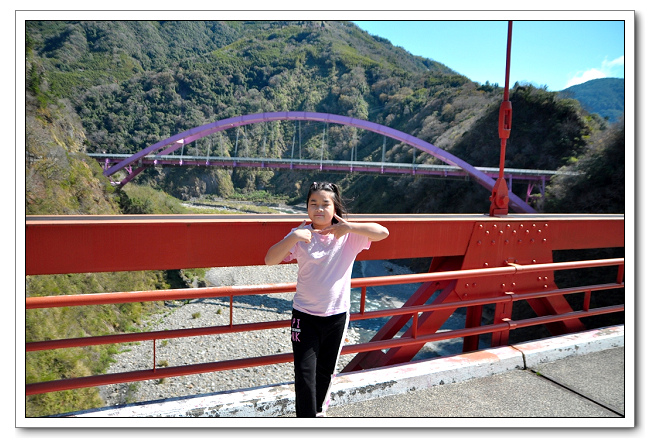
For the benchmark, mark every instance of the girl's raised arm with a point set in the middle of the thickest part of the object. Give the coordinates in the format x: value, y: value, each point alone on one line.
x: 280, y: 250
x: 374, y: 231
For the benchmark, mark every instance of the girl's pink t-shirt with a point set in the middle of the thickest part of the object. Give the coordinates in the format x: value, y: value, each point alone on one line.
x: 324, y: 272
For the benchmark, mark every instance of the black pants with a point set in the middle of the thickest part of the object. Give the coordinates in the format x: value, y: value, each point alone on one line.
x: 317, y: 342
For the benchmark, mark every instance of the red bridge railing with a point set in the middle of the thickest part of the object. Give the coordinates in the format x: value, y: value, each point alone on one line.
x: 476, y: 261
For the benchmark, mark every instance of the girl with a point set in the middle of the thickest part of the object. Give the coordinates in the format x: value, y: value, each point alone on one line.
x: 325, y: 251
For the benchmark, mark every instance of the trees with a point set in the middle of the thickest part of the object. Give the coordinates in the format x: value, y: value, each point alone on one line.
x: 600, y: 188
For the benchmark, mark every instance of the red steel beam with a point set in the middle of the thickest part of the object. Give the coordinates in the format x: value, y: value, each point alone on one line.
x: 76, y: 244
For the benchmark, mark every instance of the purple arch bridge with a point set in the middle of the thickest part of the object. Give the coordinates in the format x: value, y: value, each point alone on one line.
x: 174, y: 142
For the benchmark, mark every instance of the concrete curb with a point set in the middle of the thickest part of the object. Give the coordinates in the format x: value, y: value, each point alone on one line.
x: 554, y: 349
x: 380, y: 382
x: 273, y: 401
x: 278, y: 400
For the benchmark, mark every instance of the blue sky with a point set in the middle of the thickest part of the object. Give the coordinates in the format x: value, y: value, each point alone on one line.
x: 552, y: 53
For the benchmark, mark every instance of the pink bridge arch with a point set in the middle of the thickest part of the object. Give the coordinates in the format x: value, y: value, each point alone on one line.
x: 174, y: 142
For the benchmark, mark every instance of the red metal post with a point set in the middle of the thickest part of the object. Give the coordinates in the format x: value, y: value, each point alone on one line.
x: 499, y: 198
x: 587, y: 301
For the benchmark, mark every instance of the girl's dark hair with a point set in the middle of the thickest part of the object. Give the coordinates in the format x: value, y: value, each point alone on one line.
x: 339, y: 205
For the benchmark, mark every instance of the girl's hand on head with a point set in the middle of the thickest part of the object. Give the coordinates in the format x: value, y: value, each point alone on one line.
x: 338, y: 230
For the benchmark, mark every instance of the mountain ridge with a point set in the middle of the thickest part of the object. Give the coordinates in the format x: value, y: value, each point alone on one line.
x: 603, y: 96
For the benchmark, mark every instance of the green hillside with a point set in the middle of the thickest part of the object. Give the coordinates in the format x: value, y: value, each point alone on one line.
x: 605, y: 97
x: 134, y: 83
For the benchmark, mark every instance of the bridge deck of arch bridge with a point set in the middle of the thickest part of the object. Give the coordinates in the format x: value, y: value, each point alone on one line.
x: 328, y: 165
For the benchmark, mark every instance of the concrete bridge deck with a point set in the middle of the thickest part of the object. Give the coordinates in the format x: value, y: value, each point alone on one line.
x: 574, y: 380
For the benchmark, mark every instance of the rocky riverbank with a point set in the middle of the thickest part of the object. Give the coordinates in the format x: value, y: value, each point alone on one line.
x: 192, y: 350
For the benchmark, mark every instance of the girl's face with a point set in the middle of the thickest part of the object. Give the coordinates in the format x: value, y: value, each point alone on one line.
x: 320, y: 208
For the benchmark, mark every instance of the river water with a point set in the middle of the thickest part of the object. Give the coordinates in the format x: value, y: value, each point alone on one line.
x: 394, y: 296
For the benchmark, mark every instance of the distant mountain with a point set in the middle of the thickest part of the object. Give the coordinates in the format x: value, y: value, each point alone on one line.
x: 604, y: 96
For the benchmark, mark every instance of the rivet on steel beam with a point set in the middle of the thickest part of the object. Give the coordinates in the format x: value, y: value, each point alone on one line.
x: 478, y: 243
x: 506, y: 242
x: 493, y: 242
x: 534, y: 261
x: 485, y: 265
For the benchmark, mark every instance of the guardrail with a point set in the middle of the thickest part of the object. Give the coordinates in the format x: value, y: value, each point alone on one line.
x: 363, y: 283
x: 534, y: 276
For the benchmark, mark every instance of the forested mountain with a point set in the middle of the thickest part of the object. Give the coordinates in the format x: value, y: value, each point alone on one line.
x: 604, y: 96
x: 134, y: 83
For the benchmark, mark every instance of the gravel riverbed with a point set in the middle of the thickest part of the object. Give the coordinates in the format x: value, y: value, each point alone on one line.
x: 202, y: 349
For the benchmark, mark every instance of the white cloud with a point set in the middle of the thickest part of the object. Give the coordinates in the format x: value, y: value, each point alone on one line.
x: 585, y: 76
x: 607, y: 69
x: 619, y: 61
